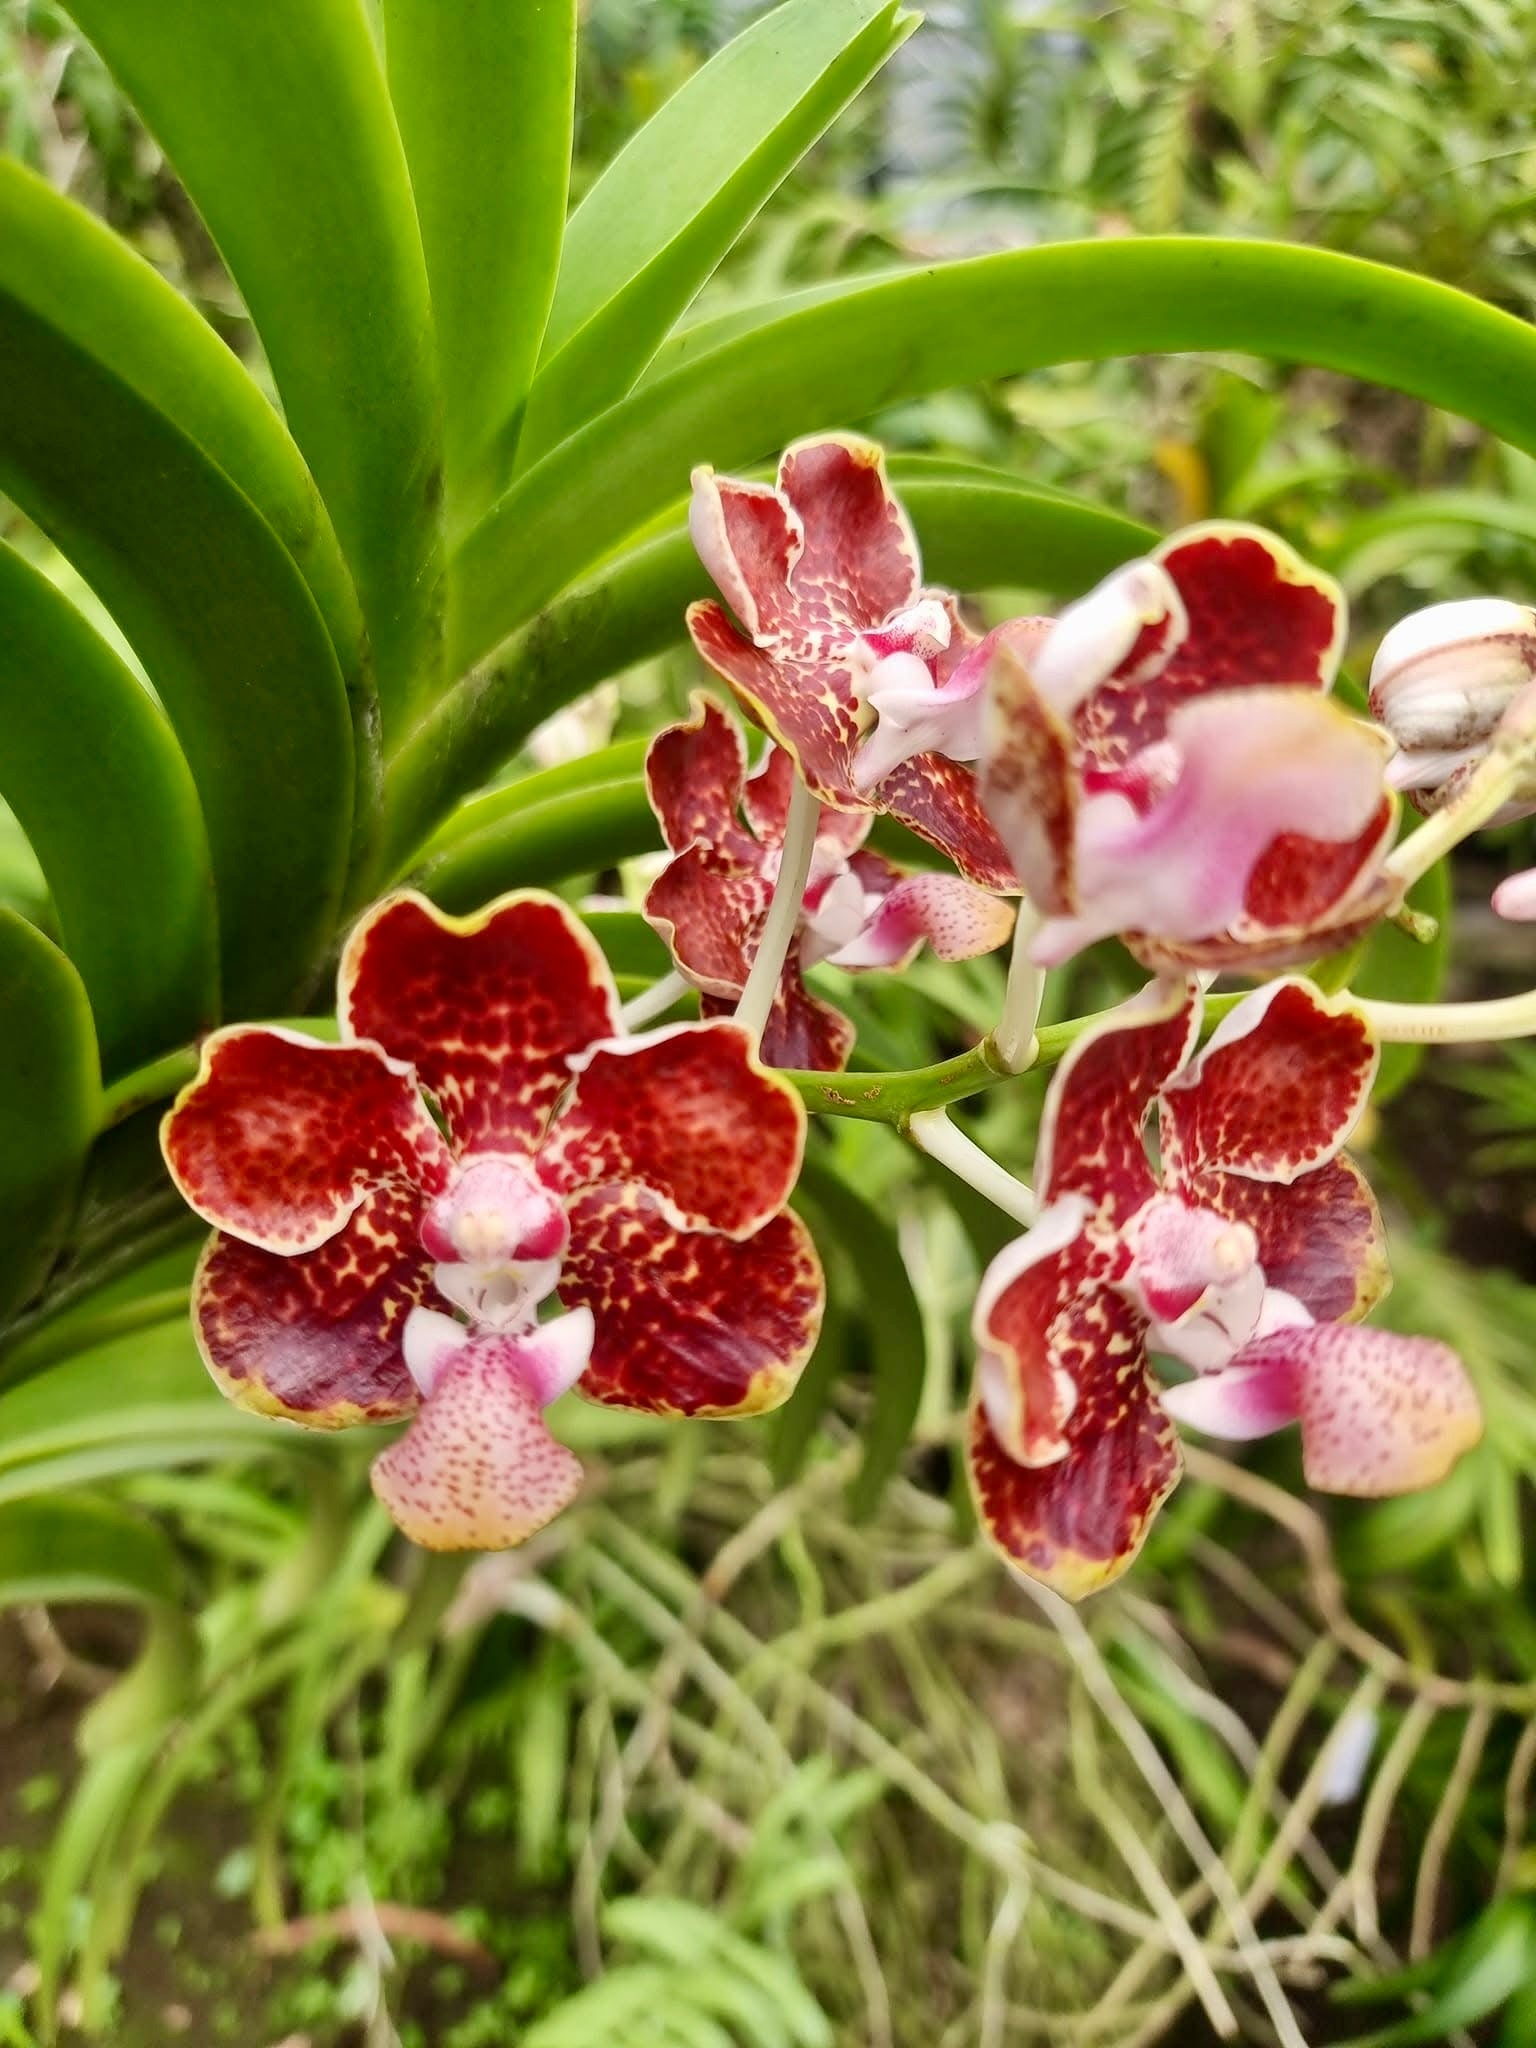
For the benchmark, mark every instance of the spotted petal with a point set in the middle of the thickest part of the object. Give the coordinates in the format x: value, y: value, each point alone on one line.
x: 859, y: 562
x: 1025, y: 1325
x: 316, y: 1336
x: 1379, y: 1413
x: 958, y: 920
x: 805, y: 696
x: 938, y: 800
x: 1255, y: 613
x: 690, y: 1113
x: 478, y: 1468
x: 281, y: 1138
x: 1276, y: 1091
x: 1320, y: 1237
x: 1091, y: 1130
x: 687, y: 1323
x: 708, y: 907
x: 802, y: 1031
x: 488, y: 1009
x: 695, y: 773
x: 1076, y: 1524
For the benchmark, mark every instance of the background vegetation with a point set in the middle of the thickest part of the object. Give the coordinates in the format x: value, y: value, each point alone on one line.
x: 756, y: 1740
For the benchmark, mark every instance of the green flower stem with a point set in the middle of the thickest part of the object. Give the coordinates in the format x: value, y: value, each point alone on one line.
x: 932, y: 1132
x: 1014, y: 1038
x: 778, y: 933
x: 1452, y: 1023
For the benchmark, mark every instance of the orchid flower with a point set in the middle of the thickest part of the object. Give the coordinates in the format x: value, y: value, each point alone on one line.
x: 1454, y: 684
x: 643, y: 1179
x: 869, y: 682
x: 859, y: 911
x: 1247, y: 1255
x: 1166, y: 764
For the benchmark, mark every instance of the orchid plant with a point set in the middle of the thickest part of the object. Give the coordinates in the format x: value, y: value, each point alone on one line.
x: 551, y: 1143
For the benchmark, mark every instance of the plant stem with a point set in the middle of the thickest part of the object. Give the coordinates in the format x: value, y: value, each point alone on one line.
x: 1451, y: 1023
x: 1014, y: 1040
x: 932, y: 1132
x: 654, y: 1001
x: 778, y: 933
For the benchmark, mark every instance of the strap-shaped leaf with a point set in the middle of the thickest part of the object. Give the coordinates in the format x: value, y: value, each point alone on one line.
x: 225, y: 626
x: 484, y: 92
x: 278, y: 122
x: 836, y: 360
x: 83, y: 1547
x: 88, y: 283
x: 92, y: 770
x: 675, y: 198
x: 50, y: 1095
x: 535, y: 846
x: 977, y: 531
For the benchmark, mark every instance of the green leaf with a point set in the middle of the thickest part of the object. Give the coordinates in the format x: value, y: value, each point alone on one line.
x: 50, y: 1094
x: 665, y: 211
x: 864, y: 1244
x: 1477, y: 1972
x: 83, y: 1547
x: 841, y: 357
x: 225, y: 627
x: 278, y: 122
x: 484, y: 94
x: 115, y: 823
x: 534, y: 846
x: 977, y: 531
x: 81, y: 278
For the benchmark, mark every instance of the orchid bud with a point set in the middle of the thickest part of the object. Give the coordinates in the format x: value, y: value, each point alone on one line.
x: 1442, y: 682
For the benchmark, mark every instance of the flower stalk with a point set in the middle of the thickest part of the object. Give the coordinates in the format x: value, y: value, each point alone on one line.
x: 932, y: 1132
x: 783, y: 912
x: 1014, y: 1041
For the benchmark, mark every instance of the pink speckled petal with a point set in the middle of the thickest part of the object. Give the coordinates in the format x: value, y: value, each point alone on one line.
x: 958, y: 920
x: 1096, y: 1108
x: 281, y: 1138
x: 478, y: 1468
x: 1029, y: 782
x: 1380, y: 1414
x: 690, y: 1113
x: 488, y: 1008
x: 939, y: 801
x: 1277, y: 1090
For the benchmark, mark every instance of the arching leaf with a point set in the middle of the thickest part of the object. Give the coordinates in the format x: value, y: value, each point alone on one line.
x: 840, y: 358
x: 484, y: 94
x: 669, y: 206
x: 92, y: 770
x: 50, y: 1094
x: 76, y: 274
x: 278, y: 122
x: 225, y: 627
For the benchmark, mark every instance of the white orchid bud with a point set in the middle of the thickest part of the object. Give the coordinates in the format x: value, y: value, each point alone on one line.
x: 1442, y: 681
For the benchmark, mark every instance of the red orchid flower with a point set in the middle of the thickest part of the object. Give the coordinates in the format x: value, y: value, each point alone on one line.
x: 822, y: 571
x: 859, y: 911
x: 1246, y: 1256
x: 1166, y: 765
x: 644, y: 1178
